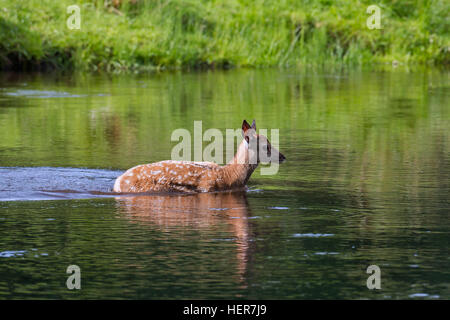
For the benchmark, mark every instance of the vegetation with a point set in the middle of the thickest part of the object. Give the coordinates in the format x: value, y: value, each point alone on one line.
x: 136, y: 35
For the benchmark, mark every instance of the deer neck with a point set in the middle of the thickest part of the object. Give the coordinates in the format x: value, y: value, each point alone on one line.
x: 237, y: 172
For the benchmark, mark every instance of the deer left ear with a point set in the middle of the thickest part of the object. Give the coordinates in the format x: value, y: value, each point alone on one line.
x: 245, y: 126
x: 254, y: 125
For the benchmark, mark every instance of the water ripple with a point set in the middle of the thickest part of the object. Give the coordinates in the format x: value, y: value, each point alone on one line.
x: 12, y: 253
x: 312, y: 235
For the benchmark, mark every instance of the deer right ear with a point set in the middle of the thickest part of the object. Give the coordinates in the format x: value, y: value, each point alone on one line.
x: 245, y: 126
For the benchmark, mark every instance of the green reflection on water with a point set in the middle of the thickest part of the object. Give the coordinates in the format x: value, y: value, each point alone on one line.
x: 368, y: 166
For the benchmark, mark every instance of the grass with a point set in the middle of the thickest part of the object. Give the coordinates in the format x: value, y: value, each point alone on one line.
x: 138, y: 35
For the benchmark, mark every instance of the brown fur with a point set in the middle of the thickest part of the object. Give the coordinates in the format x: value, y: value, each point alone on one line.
x: 189, y: 176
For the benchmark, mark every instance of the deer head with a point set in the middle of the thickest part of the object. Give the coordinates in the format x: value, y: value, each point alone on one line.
x: 259, y: 147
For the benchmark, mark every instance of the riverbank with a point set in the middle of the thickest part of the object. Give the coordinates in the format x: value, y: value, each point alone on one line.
x: 140, y: 35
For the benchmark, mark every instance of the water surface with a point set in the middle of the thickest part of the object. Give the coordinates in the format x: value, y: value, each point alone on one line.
x: 366, y: 182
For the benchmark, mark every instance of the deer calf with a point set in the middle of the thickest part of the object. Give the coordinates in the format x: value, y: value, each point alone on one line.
x: 192, y: 177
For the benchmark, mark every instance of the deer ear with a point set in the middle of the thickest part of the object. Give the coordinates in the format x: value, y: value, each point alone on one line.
x: 245, y: 126
x: 254, y: 125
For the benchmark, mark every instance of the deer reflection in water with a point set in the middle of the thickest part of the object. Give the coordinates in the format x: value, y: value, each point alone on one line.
x: 200, y: 212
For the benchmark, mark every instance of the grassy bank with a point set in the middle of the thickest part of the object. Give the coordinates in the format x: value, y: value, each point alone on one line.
x: 138, y: 35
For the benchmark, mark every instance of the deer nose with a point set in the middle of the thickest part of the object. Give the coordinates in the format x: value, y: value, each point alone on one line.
x: 281, y: 158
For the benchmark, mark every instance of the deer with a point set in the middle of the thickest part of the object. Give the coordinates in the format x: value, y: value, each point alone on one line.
x: 197, y: 177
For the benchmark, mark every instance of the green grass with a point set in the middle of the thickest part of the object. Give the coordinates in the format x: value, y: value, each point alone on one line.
x: 160, y: 34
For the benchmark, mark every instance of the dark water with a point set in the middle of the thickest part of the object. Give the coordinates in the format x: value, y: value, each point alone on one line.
x: 366, y: 183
